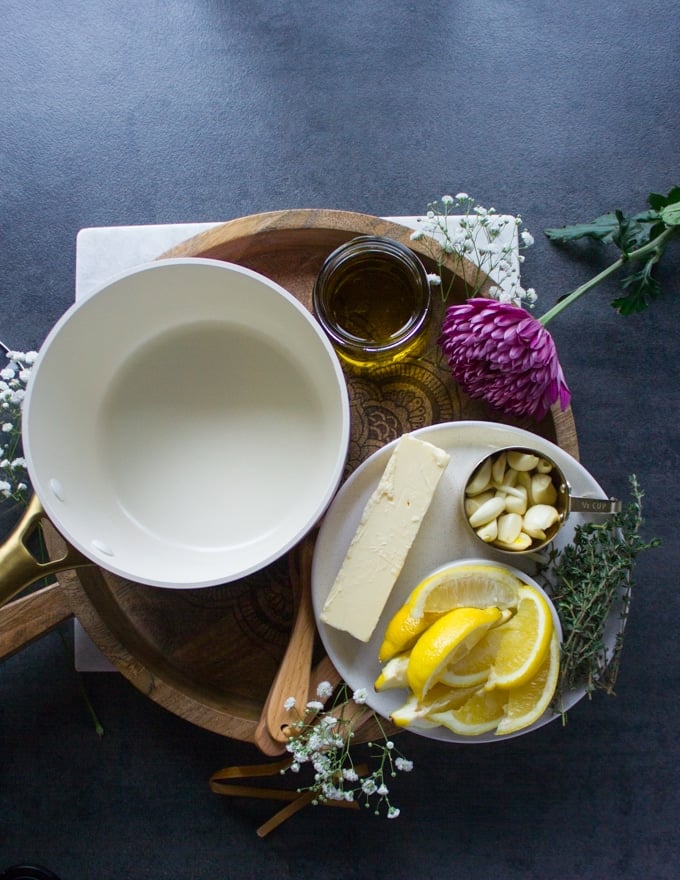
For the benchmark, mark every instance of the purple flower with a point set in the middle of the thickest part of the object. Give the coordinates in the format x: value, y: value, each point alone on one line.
x: 499, y: 353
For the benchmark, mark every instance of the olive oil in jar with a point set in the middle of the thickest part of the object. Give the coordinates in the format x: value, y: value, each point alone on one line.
x: 372, y: 297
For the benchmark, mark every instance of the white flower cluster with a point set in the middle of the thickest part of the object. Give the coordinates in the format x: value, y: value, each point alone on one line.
x: 485, y: 238
x: 13, y: 380
x: 322, y: 738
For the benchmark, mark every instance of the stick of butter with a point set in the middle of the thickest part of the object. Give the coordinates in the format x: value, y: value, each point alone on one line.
x: 388, y: 527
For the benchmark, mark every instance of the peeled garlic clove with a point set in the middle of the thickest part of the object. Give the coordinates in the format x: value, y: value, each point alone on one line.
x: 489, y: 532
x: 472, y: 504
x: 523, y: 479
x: 498, y: 469
x: 510, y: 477
x: 522, y: 542
x: 538, y: 519
x: 487, y: 511
x: 543, y: 466
x: 480, y: 480
x: 522, y: 461
x: 517, y: 501
x: 509, y: 527
x: 543, y: 489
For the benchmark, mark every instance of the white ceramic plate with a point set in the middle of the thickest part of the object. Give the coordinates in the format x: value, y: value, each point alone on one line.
x: 444, y: 537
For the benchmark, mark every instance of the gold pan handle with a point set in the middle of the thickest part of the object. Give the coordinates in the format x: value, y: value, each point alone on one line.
x: 18, y: 567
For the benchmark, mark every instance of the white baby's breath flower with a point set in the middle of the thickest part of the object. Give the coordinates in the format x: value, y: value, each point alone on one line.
x: 368, y: 786
x: 324, y: 690
x: 527, y: 238
x: 403, y: 764
x: 7, y: 427
x: 360, y: 696
x: 392, y: 812
x: 434, y: 280
x: 314, y: 706
x: 289, y: 704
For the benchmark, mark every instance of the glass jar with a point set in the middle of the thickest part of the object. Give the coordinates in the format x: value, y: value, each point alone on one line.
x: 372, y: 298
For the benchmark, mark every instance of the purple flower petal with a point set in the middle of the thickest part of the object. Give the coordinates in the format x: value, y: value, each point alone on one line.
x: 500, y: 353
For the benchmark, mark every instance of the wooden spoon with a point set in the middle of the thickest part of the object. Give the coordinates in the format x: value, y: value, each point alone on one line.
x: 292, y: 678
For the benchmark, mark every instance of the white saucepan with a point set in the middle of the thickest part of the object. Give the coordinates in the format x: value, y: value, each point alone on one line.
x: 185, y: 425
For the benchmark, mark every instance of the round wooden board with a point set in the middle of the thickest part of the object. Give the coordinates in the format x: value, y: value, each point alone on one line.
x: 209, y: 655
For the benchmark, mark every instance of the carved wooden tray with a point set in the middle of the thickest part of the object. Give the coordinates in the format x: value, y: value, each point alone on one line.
x: 209, y: 655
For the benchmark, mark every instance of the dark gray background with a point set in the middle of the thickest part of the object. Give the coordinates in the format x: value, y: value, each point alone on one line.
x: 134, y: 112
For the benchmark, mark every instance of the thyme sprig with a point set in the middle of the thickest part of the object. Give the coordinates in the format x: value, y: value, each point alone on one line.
x: 591, y: 578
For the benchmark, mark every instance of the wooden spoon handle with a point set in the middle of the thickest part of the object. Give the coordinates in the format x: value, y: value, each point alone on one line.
x: 293, y: 676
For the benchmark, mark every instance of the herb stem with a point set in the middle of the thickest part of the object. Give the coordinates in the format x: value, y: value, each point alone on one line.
x: 655, y: 245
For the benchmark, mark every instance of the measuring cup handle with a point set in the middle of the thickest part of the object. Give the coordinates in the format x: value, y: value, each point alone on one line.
x: 594, y: 505
x: 18, y: 567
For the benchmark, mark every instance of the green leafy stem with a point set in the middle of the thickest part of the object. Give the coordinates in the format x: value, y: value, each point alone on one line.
x: 641, y: 240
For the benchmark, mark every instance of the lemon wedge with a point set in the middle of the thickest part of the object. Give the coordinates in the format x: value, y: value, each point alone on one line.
x: 393, y: 673
x: 480, y: 713
x: 440, y: 698
x: 473, y: 669
x: 447, y: 640
x: 527, y: 702
x: 471, y: 585
x: 525, y: 642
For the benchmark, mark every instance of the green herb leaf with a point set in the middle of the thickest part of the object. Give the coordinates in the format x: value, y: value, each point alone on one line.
x: 592, y: 581
x: 658, y: 202
x: 671, y: 214
x: 642, y: 286
x: 601, y: 229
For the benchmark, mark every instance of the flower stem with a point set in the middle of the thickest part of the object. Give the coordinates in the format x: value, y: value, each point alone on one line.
x: 655, y: 245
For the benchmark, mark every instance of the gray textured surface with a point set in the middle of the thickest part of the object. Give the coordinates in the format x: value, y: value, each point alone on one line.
x: 122, y: 112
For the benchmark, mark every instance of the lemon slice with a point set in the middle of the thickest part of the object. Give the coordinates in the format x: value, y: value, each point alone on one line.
x: 473, y: 669
x: 471, y: 585
x: 525, y: 642
x: 527, y: 703
x: 393, y: 673
x: 447, y: 640
x: 440, y: 698
x: 480, y: 713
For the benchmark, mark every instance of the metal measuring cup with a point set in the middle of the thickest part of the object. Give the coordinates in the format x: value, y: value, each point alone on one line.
x: 506, y: 484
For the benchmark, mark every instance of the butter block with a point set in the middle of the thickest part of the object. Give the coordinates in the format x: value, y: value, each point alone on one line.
x: 388, y: 527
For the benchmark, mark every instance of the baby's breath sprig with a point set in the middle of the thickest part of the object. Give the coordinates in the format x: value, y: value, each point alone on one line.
x: 323, y: 738
x: 460, y: 228
x: 14, y: 483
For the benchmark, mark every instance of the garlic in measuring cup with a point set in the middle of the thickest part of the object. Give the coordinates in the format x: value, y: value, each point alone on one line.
x: 515, y: 500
